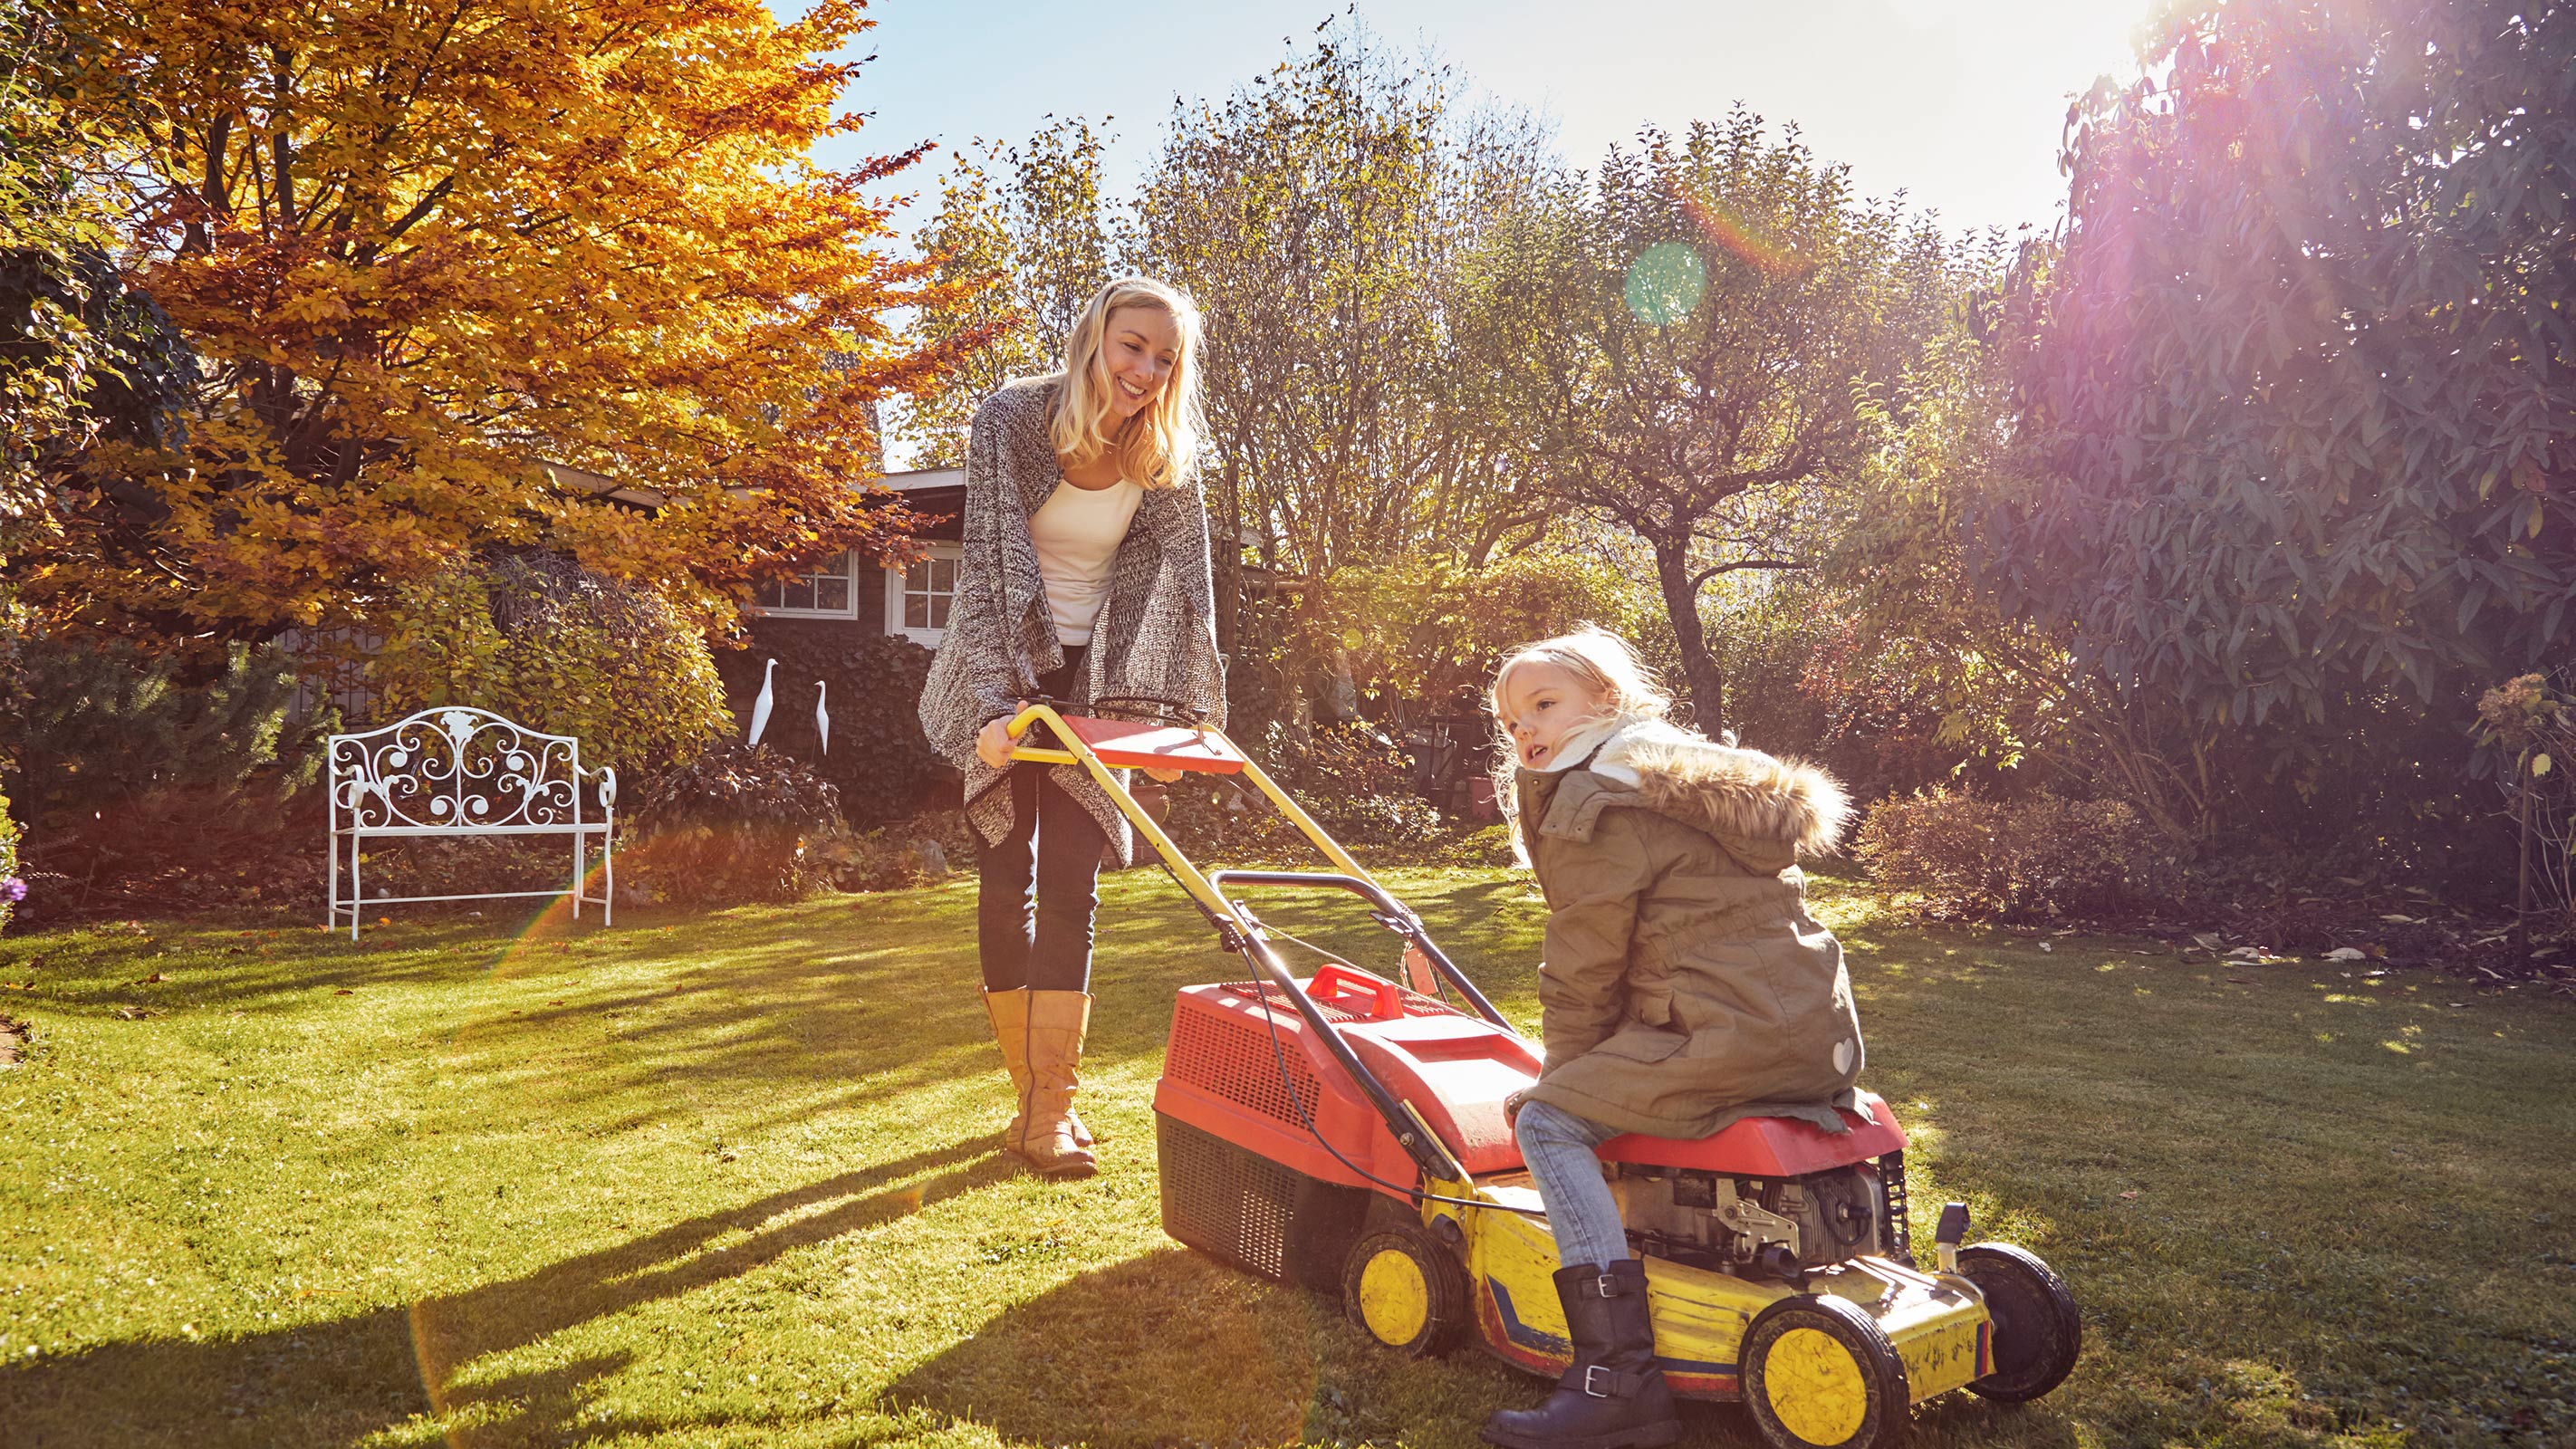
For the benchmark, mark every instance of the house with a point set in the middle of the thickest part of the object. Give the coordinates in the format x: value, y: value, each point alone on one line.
x: 852, y: 594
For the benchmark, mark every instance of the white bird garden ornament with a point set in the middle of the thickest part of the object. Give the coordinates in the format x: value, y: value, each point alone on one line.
x: 760, y: 707
x: 822, y: 717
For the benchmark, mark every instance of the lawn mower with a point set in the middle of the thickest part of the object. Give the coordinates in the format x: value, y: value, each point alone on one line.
x: 1347, y: 1132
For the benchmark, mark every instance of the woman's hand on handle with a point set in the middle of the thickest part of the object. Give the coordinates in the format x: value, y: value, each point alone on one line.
x: 993, y: 743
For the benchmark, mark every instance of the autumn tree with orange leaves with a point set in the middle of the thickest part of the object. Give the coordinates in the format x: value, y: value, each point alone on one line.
x: 425, y: 250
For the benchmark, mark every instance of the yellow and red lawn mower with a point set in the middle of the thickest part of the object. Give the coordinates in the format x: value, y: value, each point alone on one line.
x: 1347, y: 1133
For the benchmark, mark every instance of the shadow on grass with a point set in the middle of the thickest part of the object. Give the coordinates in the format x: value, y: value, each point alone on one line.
x: 1169, y: 1348
x: 339, y: 1381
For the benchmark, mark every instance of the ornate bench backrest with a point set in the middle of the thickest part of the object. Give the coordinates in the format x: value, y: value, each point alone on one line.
x: 455, y: 768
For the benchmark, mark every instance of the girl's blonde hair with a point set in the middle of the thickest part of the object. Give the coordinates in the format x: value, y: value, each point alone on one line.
x: 1601, y: 660
x: 1154, y: 448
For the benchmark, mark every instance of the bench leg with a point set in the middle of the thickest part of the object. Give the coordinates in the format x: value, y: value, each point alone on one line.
x: 577, y: 854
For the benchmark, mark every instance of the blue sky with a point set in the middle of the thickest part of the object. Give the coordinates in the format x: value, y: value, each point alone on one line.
x: 1958, y: 102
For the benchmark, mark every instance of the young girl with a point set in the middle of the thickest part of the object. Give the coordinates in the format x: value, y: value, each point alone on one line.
x: 1085, y: 576
x: 1684, y: 983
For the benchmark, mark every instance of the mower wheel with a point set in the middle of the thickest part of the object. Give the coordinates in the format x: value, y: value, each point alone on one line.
x: 2037, y: 1331
x: 1405, y: 1289
x: 1819, y: 1373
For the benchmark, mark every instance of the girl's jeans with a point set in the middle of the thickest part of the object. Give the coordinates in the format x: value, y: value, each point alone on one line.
x: 1557, y: 1147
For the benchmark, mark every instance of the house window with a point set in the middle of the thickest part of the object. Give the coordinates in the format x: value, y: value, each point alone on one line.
x: 829, y: 592
x: 918, y: 597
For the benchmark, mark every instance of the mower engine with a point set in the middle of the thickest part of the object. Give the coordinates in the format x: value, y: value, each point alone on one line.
x: 1769, y: 1228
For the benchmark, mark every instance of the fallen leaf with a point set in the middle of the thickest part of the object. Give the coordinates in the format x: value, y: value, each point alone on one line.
x: 132, y: 1013
x: 153, y: 980
x: 2240, y: 980
x: 2347, y: 953
x: 2129, y: 1196
x: 2208, y: 940
x: 2404, y: 920
x: 344, y: 991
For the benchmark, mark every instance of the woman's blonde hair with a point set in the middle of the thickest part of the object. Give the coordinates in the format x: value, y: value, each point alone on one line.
x: 1156, y: 447
x: 1601, y: 660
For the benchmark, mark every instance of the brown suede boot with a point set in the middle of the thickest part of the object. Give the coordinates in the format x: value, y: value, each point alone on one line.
x: 1058, y: 1021
x: 1009, y: 1011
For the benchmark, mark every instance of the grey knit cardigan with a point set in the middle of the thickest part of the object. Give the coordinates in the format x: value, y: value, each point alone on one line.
x: 1155, y: 635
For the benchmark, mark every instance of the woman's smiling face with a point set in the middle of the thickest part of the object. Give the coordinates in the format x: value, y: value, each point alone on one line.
x: 1539, y: 702
x: 1138, y: 346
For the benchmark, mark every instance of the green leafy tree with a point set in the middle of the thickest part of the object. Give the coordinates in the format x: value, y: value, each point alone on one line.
x: 1021, y: 240
x: 1707, y: 340
x: 83, y: 358
x: 2298, y: 392
x: 1324, y: 216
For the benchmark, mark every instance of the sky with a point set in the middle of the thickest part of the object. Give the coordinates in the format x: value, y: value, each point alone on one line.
x: 1958, y: 103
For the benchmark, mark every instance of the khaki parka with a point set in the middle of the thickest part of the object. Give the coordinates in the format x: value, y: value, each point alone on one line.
x: 1684, y: 980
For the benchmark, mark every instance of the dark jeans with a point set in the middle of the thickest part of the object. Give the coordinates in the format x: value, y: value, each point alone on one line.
x: 1039, y: 887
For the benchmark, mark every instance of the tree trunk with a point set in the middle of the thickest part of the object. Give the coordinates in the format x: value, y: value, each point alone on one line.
x: 1225, y: 547
x: 1702, y: 681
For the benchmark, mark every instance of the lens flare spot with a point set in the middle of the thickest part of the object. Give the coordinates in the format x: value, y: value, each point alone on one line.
x: 1665, y: 282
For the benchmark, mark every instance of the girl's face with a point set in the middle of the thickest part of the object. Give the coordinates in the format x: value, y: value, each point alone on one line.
x: 1538, y: 702
x: 1139, y: 347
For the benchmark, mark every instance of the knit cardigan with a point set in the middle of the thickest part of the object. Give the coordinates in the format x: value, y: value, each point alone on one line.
x: 1155, y: 636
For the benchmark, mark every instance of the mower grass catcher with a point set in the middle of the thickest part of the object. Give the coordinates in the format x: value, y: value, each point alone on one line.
x: 1347, y: 1133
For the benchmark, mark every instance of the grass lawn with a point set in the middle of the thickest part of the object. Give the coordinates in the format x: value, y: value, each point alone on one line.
x: 731, y: 1180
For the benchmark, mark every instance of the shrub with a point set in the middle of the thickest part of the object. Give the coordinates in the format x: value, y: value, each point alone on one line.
x: 139, y: 790
x: 12, y: 889
x: 879, y: 760
x: 915, y: 852
x: 557, y: 647
x: 1968, y: 855
x: 1356, y: 783
x: 733, y: 825
x: 1425, y: 632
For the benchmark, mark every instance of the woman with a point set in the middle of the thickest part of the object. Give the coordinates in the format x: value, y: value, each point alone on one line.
x: 1085, y: 577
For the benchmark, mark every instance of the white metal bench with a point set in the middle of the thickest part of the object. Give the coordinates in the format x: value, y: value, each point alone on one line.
x: 452, y: 772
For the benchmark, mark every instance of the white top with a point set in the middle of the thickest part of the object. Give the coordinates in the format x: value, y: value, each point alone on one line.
x: 1077, y: 532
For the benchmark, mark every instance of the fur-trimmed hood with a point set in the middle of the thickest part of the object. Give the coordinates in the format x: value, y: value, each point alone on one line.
x: 1683, y: 978
x: 1763, y: 809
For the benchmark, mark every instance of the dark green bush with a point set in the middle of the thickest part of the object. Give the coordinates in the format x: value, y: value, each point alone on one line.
x: 2045, y: 856
x: 545, y: 642
x: 732, y: 825
x: 878, y: 760
x: 139, y: 787
x: 1356, y: 784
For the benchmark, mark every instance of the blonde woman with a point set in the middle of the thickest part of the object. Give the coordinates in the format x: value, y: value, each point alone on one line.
x: 1085, y: 577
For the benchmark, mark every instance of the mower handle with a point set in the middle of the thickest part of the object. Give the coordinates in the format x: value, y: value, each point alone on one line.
x: 1386, y: 998
x: 1390, y: 913
x: 1170, y: 709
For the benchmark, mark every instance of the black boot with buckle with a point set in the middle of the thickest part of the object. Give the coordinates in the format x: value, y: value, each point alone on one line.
x: 1613, y: 1396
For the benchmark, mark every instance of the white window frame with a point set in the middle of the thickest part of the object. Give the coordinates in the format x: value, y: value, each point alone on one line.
x: 894, y: 597
x: 849, y: 571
